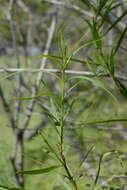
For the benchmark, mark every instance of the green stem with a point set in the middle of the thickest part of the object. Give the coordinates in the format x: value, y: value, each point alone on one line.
x: 70, y: 177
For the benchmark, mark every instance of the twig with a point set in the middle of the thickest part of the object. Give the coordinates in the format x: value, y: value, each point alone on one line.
x: 17, y: 162
x: 71, y: 7
x: 120, y: 26
x: 36, y: 129
x: 7, y: 109
x: 39, y: 77
x: 14, y: 41
x: 71, y: 72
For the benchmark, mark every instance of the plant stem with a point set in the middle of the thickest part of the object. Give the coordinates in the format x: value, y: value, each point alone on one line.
x: 110, y: 73
x: 63, y: 159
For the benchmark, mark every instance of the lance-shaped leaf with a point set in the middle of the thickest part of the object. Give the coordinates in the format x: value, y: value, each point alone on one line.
x: 118, y: 120
x: 116, y: 5
x: 96, y: 82
x: 117, y: 20
x: 114, y: 51
x: 106, y: 13
x: 8, y: 76
x: 122, y: 88
x: 86, y: 155
x: 120, y: 40
x: 112, y: 63
x: 57, y: 58
x: 11, y: 188
x: 96, y: 35
x: 101, y: 5
x: 40, y: 171
x: 99, y: 168
x: 50, y: 147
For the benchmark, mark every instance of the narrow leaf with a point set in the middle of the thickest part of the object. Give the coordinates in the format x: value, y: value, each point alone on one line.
x: 50, y: 147
x: 96, y: 82
x: 40, y: 171
x: 96, y: 35
x: 87, y: 154
x: 120, y: 40
x: 117, y: 20
x: 106, y: 13
x: 112, y: 64
x: 11, y: 188
x: 121, y: 87
x: 105, y: 121
x: 99, y: 167
x: 98, y: 172
x: 102, y: 3
x: 49, y: 94
x: 8, y: 76
x: 56, y: 57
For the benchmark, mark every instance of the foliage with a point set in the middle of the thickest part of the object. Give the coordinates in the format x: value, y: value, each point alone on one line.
x: 76, y: 110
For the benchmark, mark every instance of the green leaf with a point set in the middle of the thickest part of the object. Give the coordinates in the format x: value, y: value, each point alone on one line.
x: 50, y: 147
x: 102, y: 3
x: 8, y: 76
x: 119, y: 159
x: 69, y: 107
x: 99, y: 167
x: 114, y: 51
x: 117, y: 5
x: 122, y: 88
x: 63, y: 45
x: 27, y: 98
x: 118, y: 120
x: 11, y: 188
x: 117, y: 20
x: 40, y: 171
x: 106, y: 13
x: 53, y: 108
x: 98, y: 172
x: 107, y: 154
x: 87, y: 154
x: 120, y: 40
x: 97, y: 82
x: 56, y: 57
x: 112, y: 63
x: 72, y: 87
x: 96, y: 35
x: 49, y: 94
x: 53, y: 111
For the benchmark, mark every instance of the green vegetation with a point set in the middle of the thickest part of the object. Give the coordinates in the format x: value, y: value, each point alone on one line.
x: 63, y: 112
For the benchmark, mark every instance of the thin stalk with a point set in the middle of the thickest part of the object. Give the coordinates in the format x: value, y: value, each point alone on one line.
x: 63, y: 159
x: 110, y: 73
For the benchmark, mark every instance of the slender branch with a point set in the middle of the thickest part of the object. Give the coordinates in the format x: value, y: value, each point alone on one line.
x: 40, y: 74
x: 17, y: 161
x: 7, y: 109
x: 14, y: 155
x: 13, y: 158
x: 20, y: 163
x: 71, y: 7
x: 36, y: 129
x: 120, y: 26
x: 71, y: 72
x: 14, y: 41
x: 62, y: 121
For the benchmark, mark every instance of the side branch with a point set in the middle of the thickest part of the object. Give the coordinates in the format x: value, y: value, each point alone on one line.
x: 39, y: 77
x: 7, y: 109
x: 70, y: 72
